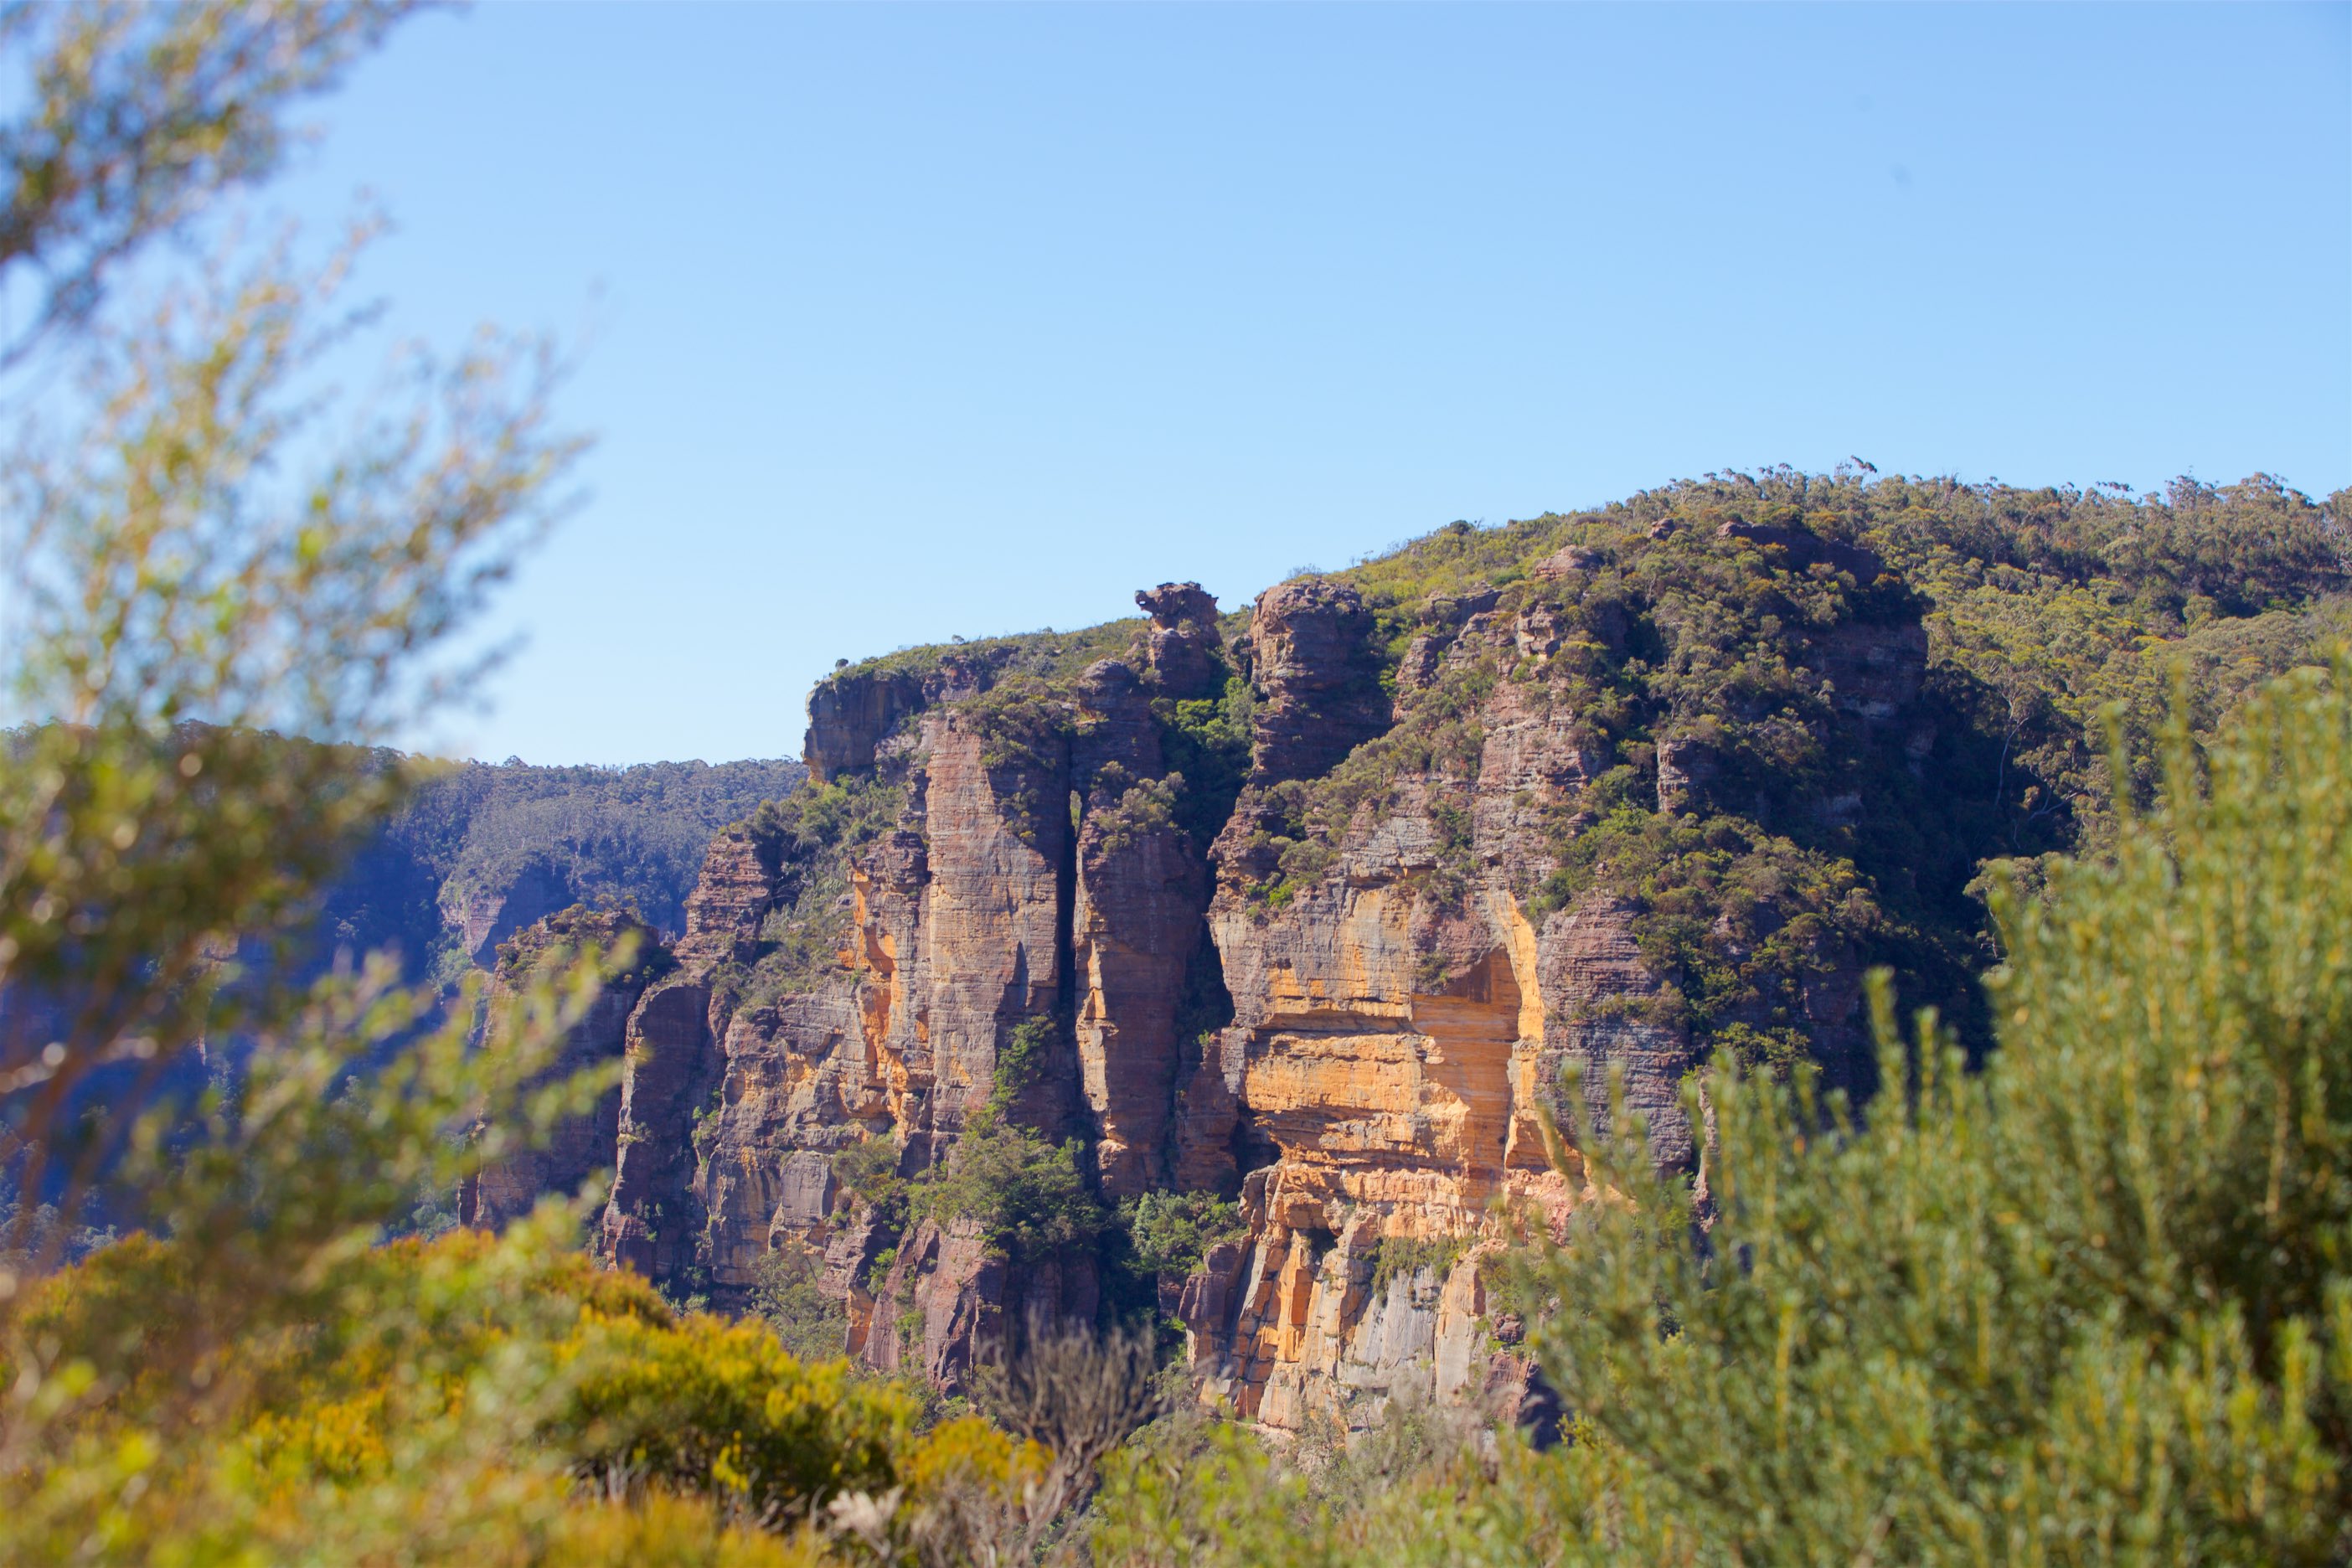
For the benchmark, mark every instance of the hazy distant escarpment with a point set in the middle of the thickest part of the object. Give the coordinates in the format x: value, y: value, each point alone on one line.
x: 481, y: 851
x: 1231, y: 966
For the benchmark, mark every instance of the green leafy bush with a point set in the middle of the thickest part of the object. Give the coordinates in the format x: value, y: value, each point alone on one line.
x: 1141, y: 807
x: 719, y: 1406
x: 1206, y: 741
x: 787, y: 1295
x: 2092, y: 1305
x: 1738, y: 920
x: 1022, y: 1061
x: 868, y: 1168
x: 1024, y: 1193
x: 1170, y: 1233
x: 624, y: 947
x: 1024, y: 723
x: 1410, y: 1256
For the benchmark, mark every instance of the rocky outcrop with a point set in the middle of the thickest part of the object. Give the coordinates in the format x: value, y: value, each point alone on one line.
x: 1406, y: 1004
x: 851, y: 714
x: 671, y: 1064
x: 1311, y: 657
x: 649, y: 1220
x: 957, y: 934
x: 729, y: 902
x: 1401, y: 1023
x: 1033, y: 883
x: 1182, y: 648
x: 1318, y: 1323
x: 1141, y: 887
x: 1350, y: 1001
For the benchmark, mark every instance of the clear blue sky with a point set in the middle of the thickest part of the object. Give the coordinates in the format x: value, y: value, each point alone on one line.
x: 910, y: 323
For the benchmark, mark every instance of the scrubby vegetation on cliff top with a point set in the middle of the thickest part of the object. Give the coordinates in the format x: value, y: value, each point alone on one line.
x: 2055, y: 597
x: 2060, y: 600
x: 2052, y: 603
x: 1052, y: 656
x: 1048, y: 655
x: 626, y: 947
x: 1019, y: 692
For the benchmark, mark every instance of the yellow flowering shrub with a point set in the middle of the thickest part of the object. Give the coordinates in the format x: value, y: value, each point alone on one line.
x: 970, y: 1452
x: 723, y: 1406
x: 663, y: 1531
x: 500, y: 1396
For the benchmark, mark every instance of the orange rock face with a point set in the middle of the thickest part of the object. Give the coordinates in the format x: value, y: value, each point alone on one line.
x: 1398, y: 1035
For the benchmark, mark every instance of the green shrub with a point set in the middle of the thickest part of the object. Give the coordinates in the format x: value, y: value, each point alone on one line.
x: 1025, y: 1193
x: 787, y: 1294
x: 878, y: 1271
x: 1024, y: 1059
x: 1058, y: 658
x: 403, y: 1351
x: 1143, y: 807
x: 868, y: 1168
x: 1024, y: 723
x: 1206, y: 741
x: 1188, y: 1491
x: 807, y: 840
x: 2092, y: 1305
x: 723, y: 1408
x: 624, y: 945
x: 1410, y: 1255
x: 798, y: 829
x: 1736, y: 921
x: 1170, y: 1233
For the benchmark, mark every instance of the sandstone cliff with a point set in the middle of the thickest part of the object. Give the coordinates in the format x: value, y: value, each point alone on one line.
x: 1297, y: 936
x: 1333, y: 967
